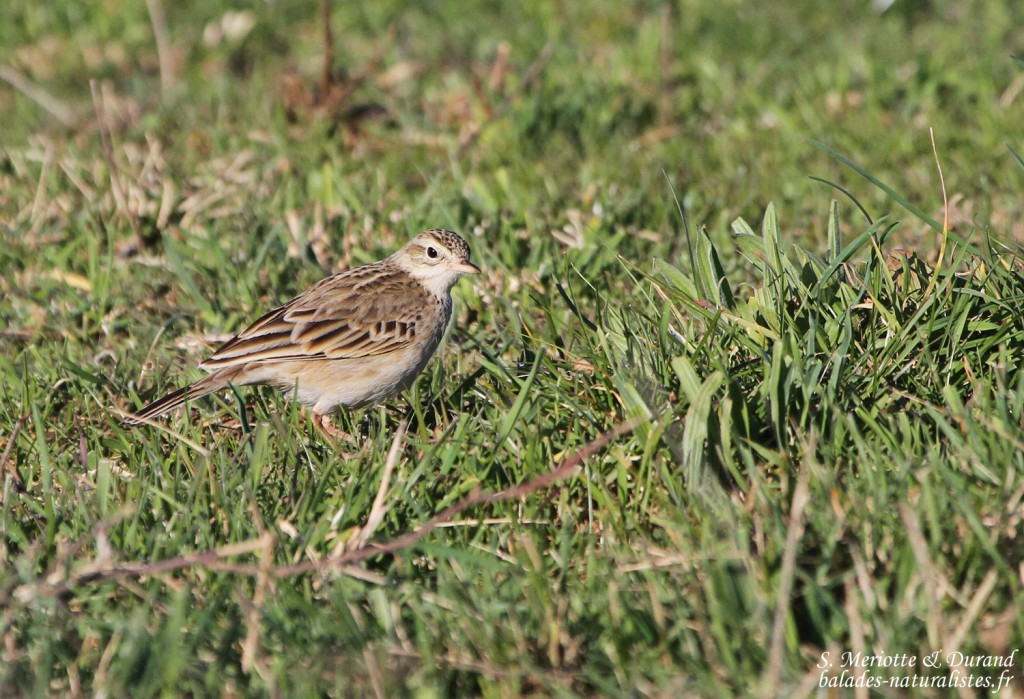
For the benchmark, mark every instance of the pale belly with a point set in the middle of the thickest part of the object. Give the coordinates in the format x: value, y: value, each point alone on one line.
x: 325, y: 385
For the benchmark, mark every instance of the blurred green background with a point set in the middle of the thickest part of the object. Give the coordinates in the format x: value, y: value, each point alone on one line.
x: 170, y: 170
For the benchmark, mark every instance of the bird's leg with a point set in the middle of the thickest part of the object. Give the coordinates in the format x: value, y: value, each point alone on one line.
x: 323, y: 424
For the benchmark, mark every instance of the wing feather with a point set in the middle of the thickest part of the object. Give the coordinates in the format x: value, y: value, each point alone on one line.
x: 371, y: 310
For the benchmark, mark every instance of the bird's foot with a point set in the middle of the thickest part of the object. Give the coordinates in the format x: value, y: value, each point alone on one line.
x: 323, y: 423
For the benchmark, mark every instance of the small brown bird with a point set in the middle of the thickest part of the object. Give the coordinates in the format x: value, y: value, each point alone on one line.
x: 351, y: 340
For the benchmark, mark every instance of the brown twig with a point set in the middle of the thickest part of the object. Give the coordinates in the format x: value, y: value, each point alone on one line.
x: 212, y: 558
x: 60, y: 586
x: 475, y: 497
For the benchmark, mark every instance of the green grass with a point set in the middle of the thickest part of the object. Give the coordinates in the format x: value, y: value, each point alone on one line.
x: 716, y: 223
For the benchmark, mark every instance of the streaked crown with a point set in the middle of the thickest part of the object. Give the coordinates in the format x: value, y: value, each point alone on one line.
x: 437, y: 258
x: 451, y: 240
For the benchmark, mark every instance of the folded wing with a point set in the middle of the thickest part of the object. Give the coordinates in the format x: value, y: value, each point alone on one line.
x: 338, y: 318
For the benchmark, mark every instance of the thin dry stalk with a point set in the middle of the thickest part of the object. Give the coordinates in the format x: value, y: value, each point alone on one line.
x: 252, y: 616
x: 945, y: 219
x: 163, y: 45
x: 974, y: 607
x: 937, y: 585
x: 37, y: 202
x: 107, y: 146
x: 377, y: 511
x: 11, y: 439
x: 801, y: 496
x: 857, y: 642
x: 162, y: 426
x: 57, y: 109
x: 373, y: 669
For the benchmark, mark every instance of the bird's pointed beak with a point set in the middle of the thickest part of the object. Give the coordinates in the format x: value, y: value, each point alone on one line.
x: 466, y: 267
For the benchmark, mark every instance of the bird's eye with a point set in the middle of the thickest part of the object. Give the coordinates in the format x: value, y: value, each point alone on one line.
x: 432, y: 253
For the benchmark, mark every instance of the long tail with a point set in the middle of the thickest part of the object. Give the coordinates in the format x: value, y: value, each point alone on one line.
x: 202, y: 387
